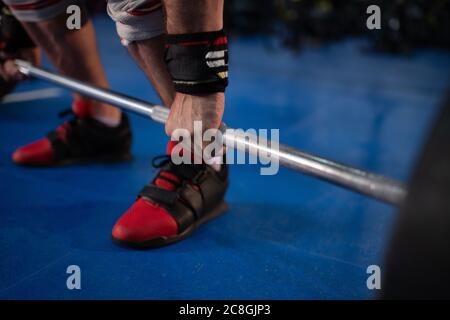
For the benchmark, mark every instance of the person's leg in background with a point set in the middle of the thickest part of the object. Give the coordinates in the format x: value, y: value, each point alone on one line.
x: 15, y: 43
x: 74, y: 53
x: 141, y: 28
x: 104, y: 133
x: 174, y: 204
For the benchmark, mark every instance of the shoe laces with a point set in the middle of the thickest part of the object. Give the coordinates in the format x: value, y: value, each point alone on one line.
x: 66, y: 127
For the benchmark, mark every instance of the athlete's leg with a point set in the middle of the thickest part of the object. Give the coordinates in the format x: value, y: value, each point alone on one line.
x: 149, y: 54
x: 174, y: 204
x: 73, y: 52
x: 140, y: 25
x: 98, y: 131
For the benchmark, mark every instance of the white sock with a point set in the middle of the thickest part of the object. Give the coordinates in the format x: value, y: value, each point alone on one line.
x: 110, y: 122
x: 215, y: 163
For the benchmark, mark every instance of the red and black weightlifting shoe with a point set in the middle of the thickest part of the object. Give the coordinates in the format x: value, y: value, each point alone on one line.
x: 79, y: 140
x: 180, y: 199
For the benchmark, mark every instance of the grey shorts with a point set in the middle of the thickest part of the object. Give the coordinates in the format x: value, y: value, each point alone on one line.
x: 135, y: 19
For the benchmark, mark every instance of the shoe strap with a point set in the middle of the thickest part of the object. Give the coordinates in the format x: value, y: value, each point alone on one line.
x: 158, y: 195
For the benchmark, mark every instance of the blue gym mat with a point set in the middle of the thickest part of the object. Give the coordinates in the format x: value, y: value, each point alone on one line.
x: 286, y: 236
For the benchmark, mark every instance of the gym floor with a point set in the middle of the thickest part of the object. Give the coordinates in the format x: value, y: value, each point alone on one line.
x: 286, y: 236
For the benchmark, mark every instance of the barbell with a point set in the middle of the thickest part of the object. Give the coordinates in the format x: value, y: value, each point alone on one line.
x: 369, y: 184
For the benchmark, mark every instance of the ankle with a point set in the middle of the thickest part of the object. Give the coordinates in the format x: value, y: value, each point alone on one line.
x: 102, y: 112
x: 107, y: 115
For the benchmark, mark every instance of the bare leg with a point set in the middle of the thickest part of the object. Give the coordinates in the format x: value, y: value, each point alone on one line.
x: 74, y: 53
x: 149, y: 54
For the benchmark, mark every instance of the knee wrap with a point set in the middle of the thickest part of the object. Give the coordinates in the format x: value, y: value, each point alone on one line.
x: 198, y: 62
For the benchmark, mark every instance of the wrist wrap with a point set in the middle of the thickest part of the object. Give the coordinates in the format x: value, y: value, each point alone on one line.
x: 198, y: 62
x: 12, y: 35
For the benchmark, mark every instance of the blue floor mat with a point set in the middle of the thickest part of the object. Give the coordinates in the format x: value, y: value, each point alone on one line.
x: 286, y: 236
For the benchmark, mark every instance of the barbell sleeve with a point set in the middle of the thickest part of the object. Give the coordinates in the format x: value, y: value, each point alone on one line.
x: 372, y: 185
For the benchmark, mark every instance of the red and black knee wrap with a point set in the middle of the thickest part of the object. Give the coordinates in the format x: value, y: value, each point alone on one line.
x: 198, y: 62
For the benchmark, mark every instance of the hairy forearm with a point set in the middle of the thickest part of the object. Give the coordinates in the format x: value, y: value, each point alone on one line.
x: 191, y: 16
x: 199, y: 100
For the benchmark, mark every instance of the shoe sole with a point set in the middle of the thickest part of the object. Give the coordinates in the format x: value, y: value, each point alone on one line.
x: 220, y: 209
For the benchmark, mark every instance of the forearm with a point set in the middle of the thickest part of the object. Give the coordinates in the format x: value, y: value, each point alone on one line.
x: 197, y: 60
x: 191, y: 16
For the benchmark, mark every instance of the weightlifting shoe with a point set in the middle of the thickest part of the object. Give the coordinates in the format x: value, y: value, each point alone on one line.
x: 178, y: 200
x: 81, y: 139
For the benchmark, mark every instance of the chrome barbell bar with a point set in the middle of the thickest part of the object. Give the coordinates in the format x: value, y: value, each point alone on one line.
x: 372, y: 185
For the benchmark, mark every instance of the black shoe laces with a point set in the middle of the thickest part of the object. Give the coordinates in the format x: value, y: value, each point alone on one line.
x: 159, y: 162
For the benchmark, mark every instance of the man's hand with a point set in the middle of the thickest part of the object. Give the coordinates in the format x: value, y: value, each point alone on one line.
x: 186, y: 109
x: 185, y: 17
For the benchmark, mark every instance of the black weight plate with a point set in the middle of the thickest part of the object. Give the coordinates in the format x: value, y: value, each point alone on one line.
x: 418, y: 259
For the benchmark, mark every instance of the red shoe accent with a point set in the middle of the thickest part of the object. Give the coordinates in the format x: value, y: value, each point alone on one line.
x: 170, y: 145
x: 82, y: 108
x: 40, y: 152
x: 146, y: 220
x: 36, y: 153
